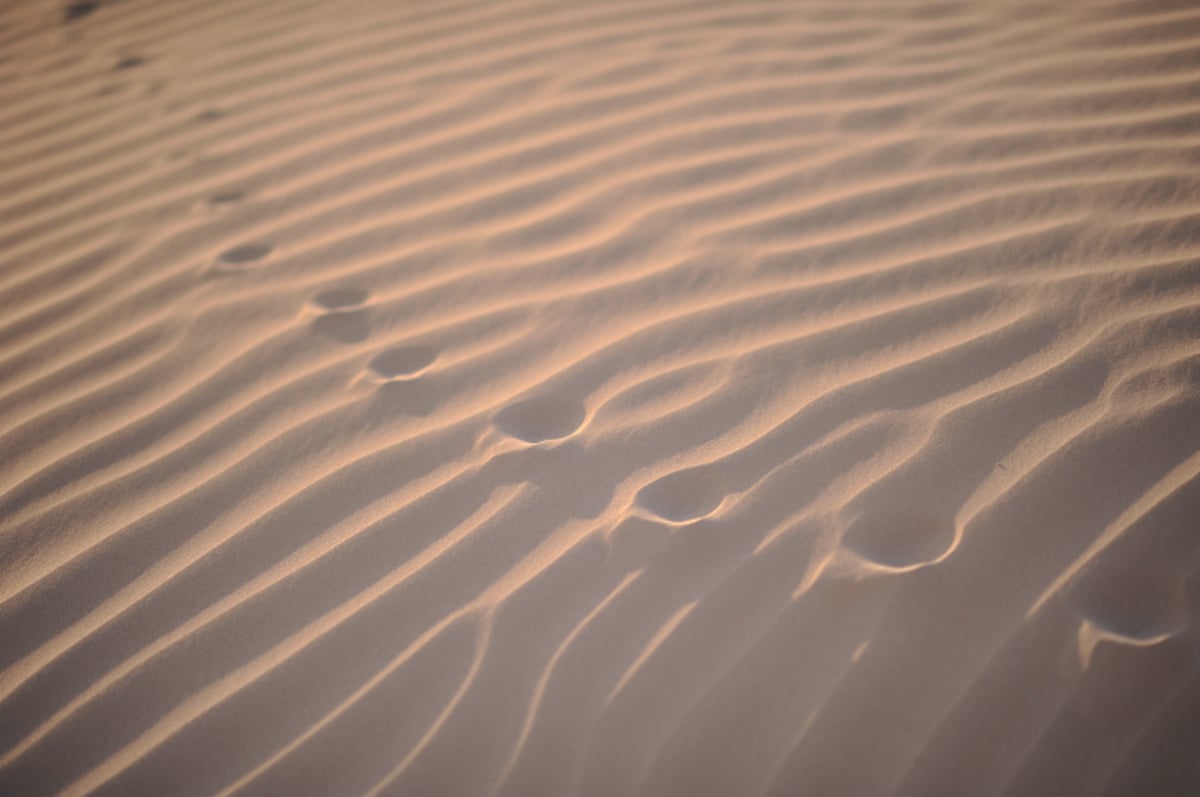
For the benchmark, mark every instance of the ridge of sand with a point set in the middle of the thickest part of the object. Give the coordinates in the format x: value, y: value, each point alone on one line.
x: 638, y: 398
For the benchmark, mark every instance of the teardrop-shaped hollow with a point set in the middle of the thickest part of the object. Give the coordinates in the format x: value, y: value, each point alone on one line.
x: 402, y: 361
x: 541, y: 418
x: 244, y: 254
x: 683, y: 495
x: 1130, y: 600
x: 900, y: 539
x: 340, y: 298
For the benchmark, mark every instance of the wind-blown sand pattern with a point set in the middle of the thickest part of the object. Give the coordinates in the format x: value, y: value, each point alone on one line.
x: 631, y: 398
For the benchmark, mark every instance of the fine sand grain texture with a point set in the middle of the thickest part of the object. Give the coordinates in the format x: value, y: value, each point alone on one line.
x: 656, y: 397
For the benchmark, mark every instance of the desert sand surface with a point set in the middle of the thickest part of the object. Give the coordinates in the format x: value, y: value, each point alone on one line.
x: 670, y: 397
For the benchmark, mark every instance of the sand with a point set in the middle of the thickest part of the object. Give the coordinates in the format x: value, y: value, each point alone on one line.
x: 636, y: 398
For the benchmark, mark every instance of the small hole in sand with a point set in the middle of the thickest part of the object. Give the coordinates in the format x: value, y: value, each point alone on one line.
x: 900, y: 539
x: 402, y: 361
x: 1129, y: 599
x: 244, y: 253
x: 78, y: 11
x: 340, y: 298
x: 682, y: 496
x: 129, y: 62
x: 541, y: 418
x: 225, y: 198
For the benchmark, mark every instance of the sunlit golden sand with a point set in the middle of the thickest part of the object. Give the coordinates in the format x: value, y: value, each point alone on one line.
x: 781, y: 397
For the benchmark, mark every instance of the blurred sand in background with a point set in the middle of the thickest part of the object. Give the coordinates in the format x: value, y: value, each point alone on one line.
x: 631, y: 398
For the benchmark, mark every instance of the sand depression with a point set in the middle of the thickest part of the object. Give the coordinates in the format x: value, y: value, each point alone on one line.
x: 520, y: 398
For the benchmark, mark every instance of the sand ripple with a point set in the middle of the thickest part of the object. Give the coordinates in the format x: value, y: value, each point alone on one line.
x: 638, y: 398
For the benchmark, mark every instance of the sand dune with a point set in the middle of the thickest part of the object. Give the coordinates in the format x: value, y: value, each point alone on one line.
x: 786, y: 397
